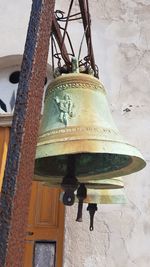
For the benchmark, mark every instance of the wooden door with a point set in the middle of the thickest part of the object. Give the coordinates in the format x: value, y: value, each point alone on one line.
x: 4, y: 140
x: 46, y: 217
x: 45, y: 226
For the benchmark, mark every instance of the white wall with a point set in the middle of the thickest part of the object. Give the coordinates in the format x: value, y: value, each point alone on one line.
x: 121, y: 36
x: 14, y: 17
x: 122, y: 233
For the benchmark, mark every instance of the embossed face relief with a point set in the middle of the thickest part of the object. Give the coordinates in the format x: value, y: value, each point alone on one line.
x: 65, y: 108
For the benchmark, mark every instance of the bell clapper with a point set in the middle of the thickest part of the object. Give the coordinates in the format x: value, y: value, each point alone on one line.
x: 92, y: 208
x: 81, y: 195
x: 70, y: 182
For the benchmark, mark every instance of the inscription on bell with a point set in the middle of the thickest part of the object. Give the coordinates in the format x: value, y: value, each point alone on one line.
x: 65, y: 107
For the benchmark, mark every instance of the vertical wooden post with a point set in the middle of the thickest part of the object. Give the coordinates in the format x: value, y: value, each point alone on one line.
x: 21, y: 153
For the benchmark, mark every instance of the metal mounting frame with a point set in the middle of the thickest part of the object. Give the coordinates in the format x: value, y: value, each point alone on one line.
x: 58, y: 38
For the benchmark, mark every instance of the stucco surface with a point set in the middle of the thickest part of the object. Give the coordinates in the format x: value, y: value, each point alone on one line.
x: 121, y: 35
x: 121, y: 237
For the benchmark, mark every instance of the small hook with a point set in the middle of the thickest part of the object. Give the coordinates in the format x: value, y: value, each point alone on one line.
x: 92, y: 208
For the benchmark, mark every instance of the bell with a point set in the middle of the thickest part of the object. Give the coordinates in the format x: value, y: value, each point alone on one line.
x: 78, y: 137
x: 69, y: 197
x: 113, y: 183
x: 94, y: 197
x: 87, y: 192
x: 106, y: 196
x: 103, y: 196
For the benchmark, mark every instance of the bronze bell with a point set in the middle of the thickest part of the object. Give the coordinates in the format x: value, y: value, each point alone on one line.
x: 107, y: 184
x: 103, y: 196
x: 113, y: 183
x: 106, y: 196
x: 94, y: 197
x: 78, y: 137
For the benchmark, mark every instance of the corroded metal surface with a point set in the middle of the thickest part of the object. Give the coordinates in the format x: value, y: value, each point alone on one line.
x: 103, y: 196
x: 84, y: 7
x: 61, y: 57
x: 114, y: 183
x: 20, y: 163
x: 58, y: 35
x: 81, y: 124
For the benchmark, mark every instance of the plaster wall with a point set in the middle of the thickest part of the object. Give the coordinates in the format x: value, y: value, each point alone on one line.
x: 121, y: 35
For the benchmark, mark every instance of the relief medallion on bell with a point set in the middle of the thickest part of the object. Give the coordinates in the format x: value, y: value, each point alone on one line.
x: 66, y: 108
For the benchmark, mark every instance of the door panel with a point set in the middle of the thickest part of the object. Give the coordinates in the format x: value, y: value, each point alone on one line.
x: 45, y: 222
x: 47, y: 206
x: 29, y: 251
x: 4, y: 140
x: 46, y: 213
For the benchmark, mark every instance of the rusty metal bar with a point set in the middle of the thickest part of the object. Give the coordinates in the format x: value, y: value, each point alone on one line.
x: 59, y: 38
x: 67, y: 20
x: 20, y: 163
x: 85, y: 19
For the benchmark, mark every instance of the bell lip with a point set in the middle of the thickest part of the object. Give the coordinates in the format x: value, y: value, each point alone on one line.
x: 114, y: 183
x: 93, y: 146
x: 112, y: 196
x: 116, y: 196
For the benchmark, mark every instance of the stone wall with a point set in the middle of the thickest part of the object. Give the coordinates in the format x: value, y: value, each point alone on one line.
x: 121, y: 35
